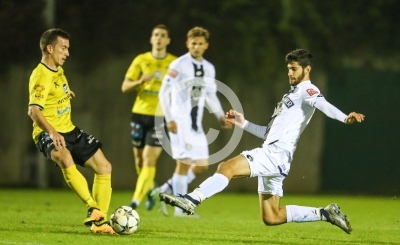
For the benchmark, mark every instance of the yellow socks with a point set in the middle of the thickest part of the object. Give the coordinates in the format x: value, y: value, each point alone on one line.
x: 78, y: 183
x: 102, y: 192
x: 144, y: 183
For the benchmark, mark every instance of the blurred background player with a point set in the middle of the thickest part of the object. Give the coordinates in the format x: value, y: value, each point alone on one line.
x: 187, y: 87
x: 144, y: 76
x: 271, y: 162
x: 59, y: 139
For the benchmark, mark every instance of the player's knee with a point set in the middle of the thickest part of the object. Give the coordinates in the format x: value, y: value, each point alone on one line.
x: 149, y: 161
x: 63, y: 159
x: 225, y: 169
x: 106, y: 168
x: 200, y: 169
x: 271, y: 220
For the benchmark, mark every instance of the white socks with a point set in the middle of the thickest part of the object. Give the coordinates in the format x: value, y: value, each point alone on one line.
x: 209, y: 187
x: 179, y: 186
x: 190, y: 176
x: 167, y: 186
x: 303, y: 214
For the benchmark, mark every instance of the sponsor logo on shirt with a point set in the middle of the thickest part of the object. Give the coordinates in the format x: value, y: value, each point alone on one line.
x: 38, y: 91
x: 63, y: 110
x: 195, y: 82
x: 311, y: 91
x: 287, y: 101
x: 65, y: 99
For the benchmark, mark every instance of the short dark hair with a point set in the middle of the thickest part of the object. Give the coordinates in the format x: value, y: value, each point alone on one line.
x: 198, y: 32
x: 50, y: 36
x: 161, y: 26
x: 301, y: 56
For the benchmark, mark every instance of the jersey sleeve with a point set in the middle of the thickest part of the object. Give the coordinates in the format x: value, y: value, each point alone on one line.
x: 314, y: 98
x: 173, y: 74
x: 257, y: 130
x: 39, y: 88
x: 134, y: 71
x: 311, y: 95
x: 214, y: 105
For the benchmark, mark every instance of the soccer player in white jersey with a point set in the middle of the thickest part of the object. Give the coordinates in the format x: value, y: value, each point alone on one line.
x: 271, y: 162
x: 186, y: 89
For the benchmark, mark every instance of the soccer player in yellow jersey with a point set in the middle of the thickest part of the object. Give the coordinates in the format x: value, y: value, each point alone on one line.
x: 59, y: 139
x: 144, y: 76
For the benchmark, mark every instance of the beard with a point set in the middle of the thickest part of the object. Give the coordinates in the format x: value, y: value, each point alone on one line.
x: 298, y: 79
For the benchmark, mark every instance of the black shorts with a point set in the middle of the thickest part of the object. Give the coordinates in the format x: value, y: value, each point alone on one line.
x: 145, y: 132
x: 81, y: 145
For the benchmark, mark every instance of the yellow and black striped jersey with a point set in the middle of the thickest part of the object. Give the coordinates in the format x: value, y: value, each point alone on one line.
x: 147, y: 93
x: 49, y: 90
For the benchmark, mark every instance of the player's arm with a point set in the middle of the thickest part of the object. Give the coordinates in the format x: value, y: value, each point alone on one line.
x: 214, y: 105
x: 134, y: 76
x: 334, y: 113
x: 164, y: 97
x: 37, y: 116
x: 128, y: 85
x: 237, y: 119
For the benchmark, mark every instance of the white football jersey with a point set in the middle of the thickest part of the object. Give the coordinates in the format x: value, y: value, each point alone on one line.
x: 190, y: 82
x: 291, y: 116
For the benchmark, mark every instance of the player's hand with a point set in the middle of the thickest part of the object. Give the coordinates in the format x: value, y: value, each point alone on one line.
x: 58, y: 140
x: 146, y: 78
x: 72, y: 94
x: 354, y: 117
x: 224, y: 123
x: 172, y: 127
x: 235, y: 118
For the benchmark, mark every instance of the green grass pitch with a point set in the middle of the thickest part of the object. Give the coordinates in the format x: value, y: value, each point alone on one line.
x: 44, y: 217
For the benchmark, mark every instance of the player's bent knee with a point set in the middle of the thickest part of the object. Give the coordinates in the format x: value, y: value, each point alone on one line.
x: 201, y: 169
x: 63, y: 159
x: 271, y: 220
x: 225, y: 169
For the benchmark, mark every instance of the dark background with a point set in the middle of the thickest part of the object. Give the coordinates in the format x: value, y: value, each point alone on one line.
x: 356, y: 47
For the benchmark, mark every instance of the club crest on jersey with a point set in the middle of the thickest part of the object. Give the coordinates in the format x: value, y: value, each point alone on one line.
x: 287, y: 101
x: 65, y: 87
x: 157, y: 75
x: 199, y: 73
x: 311, y: 91
x: 278, y: 109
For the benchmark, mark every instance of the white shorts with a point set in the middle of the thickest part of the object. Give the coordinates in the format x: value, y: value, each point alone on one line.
x: 187, y: 143
x: 270, y: 164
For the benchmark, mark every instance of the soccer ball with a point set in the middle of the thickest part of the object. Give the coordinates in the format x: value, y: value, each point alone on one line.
x: 125, y: 220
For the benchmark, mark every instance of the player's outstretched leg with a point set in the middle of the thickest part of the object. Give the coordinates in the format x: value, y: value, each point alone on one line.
x: 180, y: 201
x: 334, y: 215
